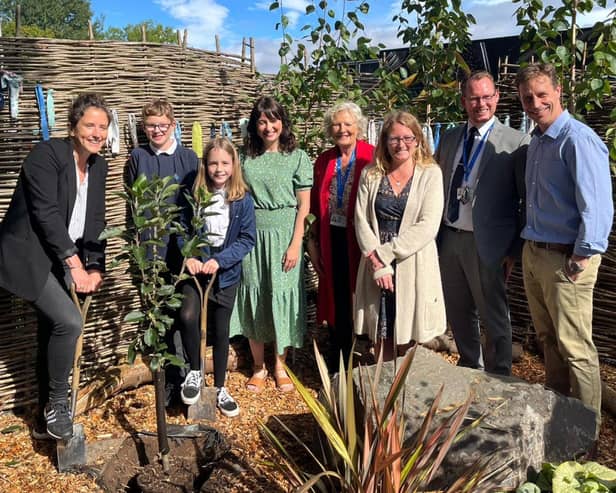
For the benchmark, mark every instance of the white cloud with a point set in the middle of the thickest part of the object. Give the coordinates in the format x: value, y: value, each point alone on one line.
x: 266, y: 56
x: 597, y: 15
x: 298, y: 6
x: 203, y: 19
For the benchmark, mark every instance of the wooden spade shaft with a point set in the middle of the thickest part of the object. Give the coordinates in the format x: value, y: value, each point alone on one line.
x: 203, y: 319
x: 83, y: 310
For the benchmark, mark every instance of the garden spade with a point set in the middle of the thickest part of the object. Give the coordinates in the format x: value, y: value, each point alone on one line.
x: 205, y: 407
x: 72, y: 452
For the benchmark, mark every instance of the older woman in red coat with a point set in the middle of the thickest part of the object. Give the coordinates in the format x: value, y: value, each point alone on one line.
x: 332, y: 245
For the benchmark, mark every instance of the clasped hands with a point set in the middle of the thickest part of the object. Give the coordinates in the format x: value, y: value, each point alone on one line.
x: 386, y: 281
x: 86, y: 281
x: 195, y: 266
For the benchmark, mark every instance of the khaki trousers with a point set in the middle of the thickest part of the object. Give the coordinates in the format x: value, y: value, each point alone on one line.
x: 562, y: 315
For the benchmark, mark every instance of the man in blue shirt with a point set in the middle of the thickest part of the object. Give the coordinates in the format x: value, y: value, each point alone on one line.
x: 569, y: 214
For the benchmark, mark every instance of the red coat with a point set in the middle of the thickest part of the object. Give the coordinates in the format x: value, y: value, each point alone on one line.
x: 324, y: 170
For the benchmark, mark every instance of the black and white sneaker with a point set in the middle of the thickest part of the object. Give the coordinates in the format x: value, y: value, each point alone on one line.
x: 59, y: 420
x: 191, y: 388
x: 226, y: 403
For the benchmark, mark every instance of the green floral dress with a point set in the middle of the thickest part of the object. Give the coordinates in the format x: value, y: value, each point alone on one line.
x: 271, y: 304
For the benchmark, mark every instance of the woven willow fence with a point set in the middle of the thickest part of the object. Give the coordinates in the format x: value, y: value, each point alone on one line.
x: 203, y: 86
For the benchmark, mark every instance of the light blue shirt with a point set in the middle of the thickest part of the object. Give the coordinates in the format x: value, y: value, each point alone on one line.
x: 568, y: 187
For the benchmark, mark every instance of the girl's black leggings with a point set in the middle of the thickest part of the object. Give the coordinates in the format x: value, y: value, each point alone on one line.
x: 220, y: 307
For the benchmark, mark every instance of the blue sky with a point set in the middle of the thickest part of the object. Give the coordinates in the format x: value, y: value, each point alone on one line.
x: 234, y: 19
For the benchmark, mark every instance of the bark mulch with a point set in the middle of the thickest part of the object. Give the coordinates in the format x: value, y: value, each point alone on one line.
x: 27, y: 465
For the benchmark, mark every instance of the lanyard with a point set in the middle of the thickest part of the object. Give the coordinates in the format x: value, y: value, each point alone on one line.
x: 341, y: 182
x: 468, y: 166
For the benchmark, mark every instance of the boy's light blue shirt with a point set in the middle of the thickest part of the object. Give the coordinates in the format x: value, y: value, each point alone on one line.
x: 569, y: 187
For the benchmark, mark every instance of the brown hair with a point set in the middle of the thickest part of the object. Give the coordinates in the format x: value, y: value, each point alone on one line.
x: 537, y: 70
x: 422, y: 155
x: 157, y: 107
x: 272, y: 110
x: 82, y: 103
x: 236, y: 188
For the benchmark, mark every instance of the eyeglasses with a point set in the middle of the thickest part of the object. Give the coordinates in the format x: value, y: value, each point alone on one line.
x: 407, y: 139
x: 163, y: 127
x: 482, y: 99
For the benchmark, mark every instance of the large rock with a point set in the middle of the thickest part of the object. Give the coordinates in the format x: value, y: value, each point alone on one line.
x: 526, y: 424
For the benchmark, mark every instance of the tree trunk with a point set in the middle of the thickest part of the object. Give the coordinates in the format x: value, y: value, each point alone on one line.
x: 161, y: 417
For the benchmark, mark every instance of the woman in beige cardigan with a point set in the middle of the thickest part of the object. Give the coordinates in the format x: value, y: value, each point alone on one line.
x: 399, y: 298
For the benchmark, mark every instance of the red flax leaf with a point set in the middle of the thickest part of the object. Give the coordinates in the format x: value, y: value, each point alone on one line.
x: 459, y: 414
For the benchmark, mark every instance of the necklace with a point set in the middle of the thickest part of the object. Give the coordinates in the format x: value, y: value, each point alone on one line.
x: 403, y: 178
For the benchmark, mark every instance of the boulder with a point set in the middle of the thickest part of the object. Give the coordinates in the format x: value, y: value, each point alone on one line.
x: 526, y: 424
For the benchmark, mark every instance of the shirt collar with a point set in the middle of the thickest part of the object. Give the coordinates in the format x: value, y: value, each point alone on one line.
x: 221, y: 191
x: 557, y: 125
x: 483, y: 129
x: 171, y: 150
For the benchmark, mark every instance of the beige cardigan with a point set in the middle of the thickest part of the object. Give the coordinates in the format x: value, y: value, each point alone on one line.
x: 420, y: 309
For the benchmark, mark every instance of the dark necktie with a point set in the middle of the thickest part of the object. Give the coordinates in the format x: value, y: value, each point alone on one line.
x: 453, y: 207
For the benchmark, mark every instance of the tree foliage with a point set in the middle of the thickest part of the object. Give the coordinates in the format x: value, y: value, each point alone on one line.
x: 66, y: 19
x: 585, y: 63
x: 436, y: 33
x: 152, y: 218
x: 321, y: 66
x: 154, y: 32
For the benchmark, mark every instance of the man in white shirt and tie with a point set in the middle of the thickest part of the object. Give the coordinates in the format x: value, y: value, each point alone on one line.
x: 483, y: 174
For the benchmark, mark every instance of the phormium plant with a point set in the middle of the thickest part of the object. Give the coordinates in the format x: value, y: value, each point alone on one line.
x: 363, y: 445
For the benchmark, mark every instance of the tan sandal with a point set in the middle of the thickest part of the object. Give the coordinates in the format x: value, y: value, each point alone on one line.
x: 283, y: 382
x: 256, y: 383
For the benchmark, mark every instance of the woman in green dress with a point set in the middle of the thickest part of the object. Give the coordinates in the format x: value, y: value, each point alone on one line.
x: 271, y: 301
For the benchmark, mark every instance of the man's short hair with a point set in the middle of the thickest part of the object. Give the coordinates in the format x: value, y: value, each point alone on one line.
x: 535, y: 70
x: 477, y: 75
x: 157, y: 107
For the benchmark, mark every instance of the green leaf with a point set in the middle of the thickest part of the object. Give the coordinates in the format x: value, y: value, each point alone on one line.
x: 174, y: 360
x: 596, y: 84
x: 132, y: 354
x: 11, y: 429
x: 108, y: 233
x: 528, y: 488
x: 134, y: 316
x: 150, y: 337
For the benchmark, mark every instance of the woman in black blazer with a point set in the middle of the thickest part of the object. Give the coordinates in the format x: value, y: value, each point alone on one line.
x: 49, y: 240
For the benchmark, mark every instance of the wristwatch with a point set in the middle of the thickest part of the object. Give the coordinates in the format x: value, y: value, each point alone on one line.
x: 574, y: 267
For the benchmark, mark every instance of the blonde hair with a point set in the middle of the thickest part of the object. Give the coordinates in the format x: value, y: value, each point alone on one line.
x: 422, y: 155
x: 236, y: 187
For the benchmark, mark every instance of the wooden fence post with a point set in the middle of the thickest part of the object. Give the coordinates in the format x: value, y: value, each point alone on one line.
x: 252, y: 55
x: 17, y: 20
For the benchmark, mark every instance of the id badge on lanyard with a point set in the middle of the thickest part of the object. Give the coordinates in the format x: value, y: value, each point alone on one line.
x: 336, y: 219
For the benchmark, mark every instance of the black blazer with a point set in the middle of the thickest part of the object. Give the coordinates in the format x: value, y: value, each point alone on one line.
x: 34, y: 233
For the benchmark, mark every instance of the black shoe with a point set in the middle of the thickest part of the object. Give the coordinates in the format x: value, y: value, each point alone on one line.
x: 226, y: 403
x: 191, y: 388
x: 59, y: 420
